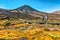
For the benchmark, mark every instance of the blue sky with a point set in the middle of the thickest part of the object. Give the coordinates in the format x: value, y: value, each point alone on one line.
x: 41, y: 5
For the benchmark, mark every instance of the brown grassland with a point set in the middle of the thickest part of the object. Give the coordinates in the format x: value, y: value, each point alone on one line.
x: 21, y: 30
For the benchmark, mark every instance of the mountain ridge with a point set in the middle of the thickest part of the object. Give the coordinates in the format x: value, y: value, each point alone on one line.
x: 25, y: 12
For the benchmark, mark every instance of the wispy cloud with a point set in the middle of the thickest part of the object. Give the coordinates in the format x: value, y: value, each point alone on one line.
x: 2, y: 6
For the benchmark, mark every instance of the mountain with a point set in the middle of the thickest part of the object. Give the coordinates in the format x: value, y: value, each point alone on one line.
x: 26, y: 7
x: 27, y: 12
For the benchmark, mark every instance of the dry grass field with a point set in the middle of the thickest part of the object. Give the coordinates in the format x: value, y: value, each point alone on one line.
x: 21, y: 30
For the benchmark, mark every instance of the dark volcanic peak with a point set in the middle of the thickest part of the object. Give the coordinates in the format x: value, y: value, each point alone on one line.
x: 26, y: 7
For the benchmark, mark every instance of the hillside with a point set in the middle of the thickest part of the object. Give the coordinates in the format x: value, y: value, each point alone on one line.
x: 27, y: 12
x: 22, y: 12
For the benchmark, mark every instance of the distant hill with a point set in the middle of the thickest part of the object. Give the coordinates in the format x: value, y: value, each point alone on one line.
x: 54, y: 15
x: 56, y: 12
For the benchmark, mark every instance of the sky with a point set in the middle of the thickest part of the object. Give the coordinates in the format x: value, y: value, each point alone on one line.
x: 41, y: 5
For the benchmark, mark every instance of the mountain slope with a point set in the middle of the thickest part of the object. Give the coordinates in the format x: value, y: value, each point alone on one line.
x: 27, y: 12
